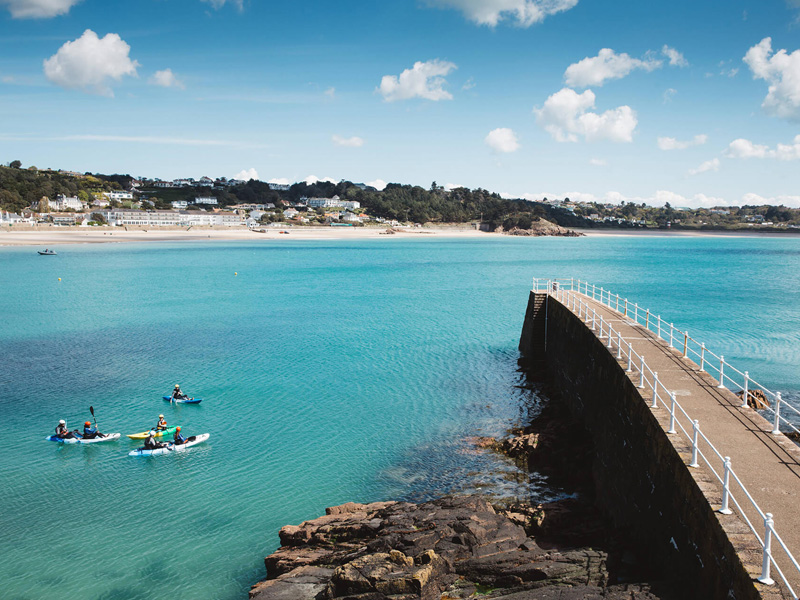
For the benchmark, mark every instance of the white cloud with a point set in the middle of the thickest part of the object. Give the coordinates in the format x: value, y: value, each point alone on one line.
x: 566, y: 116
x: 670, y: 143
x: 247, y: 175
x: 490, y: 12
x: 378, y: 184
x: 731, y: 73
x: 38, y: 9
x: 220, y: 3
x: 502, y: 139
x: 312, y: 179
x: 742, y: 148
x: 167, y: 79
x: 330, y: 92
x: 279, y: 181
x: 669, y: 94
x: 468, y: 84
x: 449, y: 187
x: 423, y: 80
x: 606, y: 65
x: 782, y: 72
x: 351, y: 142
x: 89, y: 63
x: 597, y: 162
x: 676, y: 59
x: 755, y: 199
x: 709, y: 165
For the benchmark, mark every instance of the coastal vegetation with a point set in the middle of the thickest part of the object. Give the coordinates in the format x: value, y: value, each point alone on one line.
x: 21, y: 188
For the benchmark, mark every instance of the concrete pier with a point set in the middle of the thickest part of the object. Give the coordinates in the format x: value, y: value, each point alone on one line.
x: 644, y: 477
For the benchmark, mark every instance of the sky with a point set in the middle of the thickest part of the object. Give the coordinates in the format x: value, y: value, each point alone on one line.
x: 691, y: 102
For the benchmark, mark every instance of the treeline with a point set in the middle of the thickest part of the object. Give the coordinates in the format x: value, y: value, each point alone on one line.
x: 19, y: 188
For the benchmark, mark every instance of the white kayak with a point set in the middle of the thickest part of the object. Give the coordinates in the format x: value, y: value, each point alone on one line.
x: 171, y: 447
x: 107, y: 437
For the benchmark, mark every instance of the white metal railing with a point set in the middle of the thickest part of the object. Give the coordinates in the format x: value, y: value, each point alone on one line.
x: 567, y: 292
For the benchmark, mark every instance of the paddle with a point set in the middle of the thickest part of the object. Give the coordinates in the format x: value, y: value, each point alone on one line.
x: 96, y: 428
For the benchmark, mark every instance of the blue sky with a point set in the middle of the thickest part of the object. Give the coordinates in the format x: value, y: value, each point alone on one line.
x: 692, y: 102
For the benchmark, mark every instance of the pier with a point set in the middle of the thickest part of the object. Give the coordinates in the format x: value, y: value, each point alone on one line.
x: 686, y: 465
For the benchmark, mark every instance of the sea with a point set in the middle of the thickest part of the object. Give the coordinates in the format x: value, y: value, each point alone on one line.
x: 330, y: 371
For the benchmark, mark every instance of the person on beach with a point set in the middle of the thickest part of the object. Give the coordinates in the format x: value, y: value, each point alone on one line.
x: 162, y: 423
x: 177, y: 394
x: 62, y: 432
x: 178, y: 438
x: 150, y: 442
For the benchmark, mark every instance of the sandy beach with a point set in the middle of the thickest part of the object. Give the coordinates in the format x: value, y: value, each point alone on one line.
x: 55, y: 236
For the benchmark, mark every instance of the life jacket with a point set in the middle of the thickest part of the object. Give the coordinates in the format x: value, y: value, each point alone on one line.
x: 88, y: 432
x: 162, y: 424
x: 61, y: 430
x: 178, y: 439
x: 150, y: 443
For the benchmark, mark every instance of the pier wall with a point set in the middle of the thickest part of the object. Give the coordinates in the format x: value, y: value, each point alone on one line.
x: 641, y: 477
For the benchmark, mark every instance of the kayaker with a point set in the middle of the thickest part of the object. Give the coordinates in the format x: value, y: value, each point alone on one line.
x: 150, y: 442
x: 178, y: 438
x: 88, y: 432
x: 177, y: 394
x: 62, y: 432
x: 162, y: 423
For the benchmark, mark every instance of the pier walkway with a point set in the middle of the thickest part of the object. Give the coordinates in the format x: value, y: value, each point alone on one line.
x: 763, y: 473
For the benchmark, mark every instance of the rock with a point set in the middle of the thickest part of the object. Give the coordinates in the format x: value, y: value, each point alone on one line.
x: 756, y: 399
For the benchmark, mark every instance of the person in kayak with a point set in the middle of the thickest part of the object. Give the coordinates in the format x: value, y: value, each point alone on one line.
x: 162, y: 423
x: 88, y: 432
x: 62, y: 432
x: 150, y: 442
x: 177, y: 394
x: 178, y: 438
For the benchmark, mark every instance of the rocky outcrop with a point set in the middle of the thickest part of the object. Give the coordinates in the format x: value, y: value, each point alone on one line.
x: 450, y: 548
x: 756, y: 399
x: 543, y: 227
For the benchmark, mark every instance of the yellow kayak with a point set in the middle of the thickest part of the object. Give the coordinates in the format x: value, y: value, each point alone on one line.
x: 141, y: 436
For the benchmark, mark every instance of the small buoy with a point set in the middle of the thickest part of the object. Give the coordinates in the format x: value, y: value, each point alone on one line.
x: 235, y: 273
x: 59, y: 278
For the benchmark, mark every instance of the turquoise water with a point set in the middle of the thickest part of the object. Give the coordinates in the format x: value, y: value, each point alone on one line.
x: 331, y: 372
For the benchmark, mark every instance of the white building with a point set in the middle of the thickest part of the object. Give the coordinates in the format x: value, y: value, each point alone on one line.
x: 179, y: 204
x: 210, y: 200
x: 351, y: 204
x: 323, y: 202
x: 206, y: 182
x: 279, y: 187
x: 9, y: 218
x: 63, y: 202
x: 162, y: 184
x: 118, y: 196
x: 290, y: 213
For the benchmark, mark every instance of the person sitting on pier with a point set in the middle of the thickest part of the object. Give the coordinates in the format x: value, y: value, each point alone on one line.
x: 177, y: 394
x: 150, y: 442
x: 62, y: 432
x: 162, y: 423
x: 178, y: 438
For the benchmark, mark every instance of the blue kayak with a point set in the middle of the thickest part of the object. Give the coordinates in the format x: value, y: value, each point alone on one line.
x: 184, y: 401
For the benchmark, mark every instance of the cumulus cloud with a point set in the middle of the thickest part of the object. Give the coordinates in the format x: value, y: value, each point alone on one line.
x: 89, y: 63
x: 755, y: 199
x: 424, y: 80
x: 607, y: 65
x: 247, y: 175
x: 566, y: 116
x: 351, y: 142
x: 782, y: 72
x: 167, y: 79
x: 522, y: 12
x: 676, y: 59
x: 670, y: 143
x: 742, y: 148
x: 378, y: 184
x: 312, y: 179
x: 709, y: 165
x: 38, y: 9
x: 597, y: 162
x: 502, y: 139
x: 279, y: 181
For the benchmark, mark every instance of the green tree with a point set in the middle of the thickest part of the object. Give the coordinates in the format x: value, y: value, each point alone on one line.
x: 15, y: 164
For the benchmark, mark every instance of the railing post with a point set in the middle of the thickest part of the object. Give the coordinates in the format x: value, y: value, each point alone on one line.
x: 601, y: 295
x: 672, y: 413
x: 659, y: 326
x: 601, y: 328
x: 609, y: 332
x: 636, y: 312
x: 619, y: 346
x: 654, y: 403
x: 726, y: 487
x: 641, y: 372
x: 745, y: 390
x: 671, y: 335
x: 685, y: 344
x: 535, y: 284
x: 696, y: 435
x: 703, y: 356
x: 776, y: 428
x: 630, y: 359
x: 647, y: 320
x: 721, y: 372
x: 571, y: 283
x: 594, y: 319
x: 626, y: 307
x: 769, y: 524
x: 617, y: 309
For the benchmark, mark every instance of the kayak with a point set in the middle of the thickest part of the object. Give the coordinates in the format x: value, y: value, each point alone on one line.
x: 170, y: 448
x: 107, y: 437
x: 184, y: 401
x: 164, y: 432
